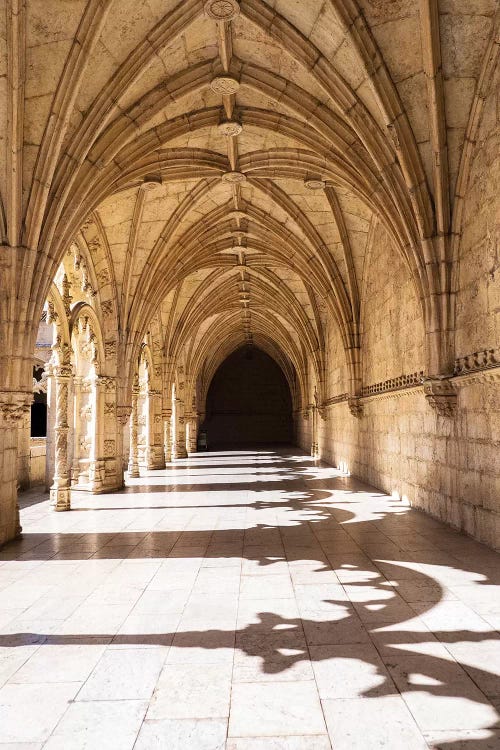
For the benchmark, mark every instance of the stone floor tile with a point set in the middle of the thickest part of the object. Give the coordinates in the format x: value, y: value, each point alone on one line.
x: 439, y: 693
x: 107, y: 725
x: 270, y: 664
x: 124, y: 674
x: 182, y: 734
x: 350, y: 671
x: 279, y: 708
x: 176, y: 633
x: 273, y: 586
x: 186, y: 691
x: 59, y: 663
x: 47, y: 702
x: 170, y: 602
x: 382, y: 723
x: 211, y: 646
x: 484, y: 739
x: 321, y: 629
x: 318, y: 742
x: 481, y: 661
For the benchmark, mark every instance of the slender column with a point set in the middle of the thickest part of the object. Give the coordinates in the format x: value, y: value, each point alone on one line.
x: 192, y: 435
x: 14, y: 405
x: 133, y: 465
x: 23, y: 452
x: 180, y: 443
x: 51, y: 420
x: 167, y: 441
x: 155, y: 458
x: 60, y: 492
x: 314, y: 432
x: 77, y: 389
x: 123, y: 413
x: 96, y: 465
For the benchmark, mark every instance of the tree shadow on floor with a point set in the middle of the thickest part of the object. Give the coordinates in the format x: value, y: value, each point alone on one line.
x: 379, y: 618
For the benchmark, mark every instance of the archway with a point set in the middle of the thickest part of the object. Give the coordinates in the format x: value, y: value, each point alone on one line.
x: 249, y: 401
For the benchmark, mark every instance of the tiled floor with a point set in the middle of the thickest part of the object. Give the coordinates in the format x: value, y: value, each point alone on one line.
x: 246, y: 601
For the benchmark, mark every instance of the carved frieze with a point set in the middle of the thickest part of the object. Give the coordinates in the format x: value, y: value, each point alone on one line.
x: 394, y: 384
x: 481, y: 360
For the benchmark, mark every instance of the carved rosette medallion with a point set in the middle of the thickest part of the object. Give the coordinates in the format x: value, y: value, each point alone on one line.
x: 315, y: 184
x: 151, y: 182
x: 222, y: 10
x: 234, y: 178
x: 225, y: 85
x: 230, y: 128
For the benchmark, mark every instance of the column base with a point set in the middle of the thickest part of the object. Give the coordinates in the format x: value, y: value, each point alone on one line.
x: 60, y: 498
x: 181, y: 453
x: 133, y: 471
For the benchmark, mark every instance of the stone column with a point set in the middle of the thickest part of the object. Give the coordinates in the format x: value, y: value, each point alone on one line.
x: 123, y: 413
x: 60, y: 492
x: 314, y: 432
x: 180, y: 442
x: 14, y: 405
x: 96, y: 465
x: 23, y: 451
x: 77, y: 387
x: 192, y: 435
x: 167, y: 441
x: 133, y: 464
x: 51, y: 421
x: 154, y: 431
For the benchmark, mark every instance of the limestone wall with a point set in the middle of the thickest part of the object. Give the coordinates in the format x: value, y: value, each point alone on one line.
x: 449, y: 467
x: 478, y: 268
x: 37, y: 461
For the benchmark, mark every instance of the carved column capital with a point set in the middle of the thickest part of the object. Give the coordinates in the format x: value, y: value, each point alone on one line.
x: 123, y: 413
x: 441, y: 395
x: 355, y: 406
x: 14, y: 405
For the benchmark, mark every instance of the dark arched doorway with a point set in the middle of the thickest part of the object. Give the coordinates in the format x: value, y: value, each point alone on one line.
x: 248, y: 401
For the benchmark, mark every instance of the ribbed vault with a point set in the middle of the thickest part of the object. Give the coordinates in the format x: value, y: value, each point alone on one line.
x: 221, y: 165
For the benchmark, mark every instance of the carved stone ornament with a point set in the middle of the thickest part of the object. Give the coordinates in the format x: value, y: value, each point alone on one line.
x: 225, y: 85
x: 151, y: 182
x: 123, y: 413
x: 234, y: 178
x: 66, y: 295
x: 109, y: 448
x: 481, y: 360
x: 393, y: 134
x: 107, y: 308
x: 14, y: 406
x: 230, y: 128
x: 315, y: 184
x: 441, y: 395
x: 355, y: 406
x: 222, y: 10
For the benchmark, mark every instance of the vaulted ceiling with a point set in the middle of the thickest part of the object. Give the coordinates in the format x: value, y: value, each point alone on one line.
x: 234, y: 157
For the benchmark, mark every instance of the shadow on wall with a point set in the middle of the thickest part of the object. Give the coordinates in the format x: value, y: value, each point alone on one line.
x: 248, y: 401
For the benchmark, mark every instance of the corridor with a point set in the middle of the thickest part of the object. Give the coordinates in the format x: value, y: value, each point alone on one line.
x: 246, y: 600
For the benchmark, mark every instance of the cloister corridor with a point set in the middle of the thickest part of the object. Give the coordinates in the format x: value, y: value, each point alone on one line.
x: 246, y: 600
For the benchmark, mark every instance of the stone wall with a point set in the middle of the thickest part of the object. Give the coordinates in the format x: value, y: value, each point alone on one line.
x: 449, y: 467
x: 478, y: 277
x: 37, y: 461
